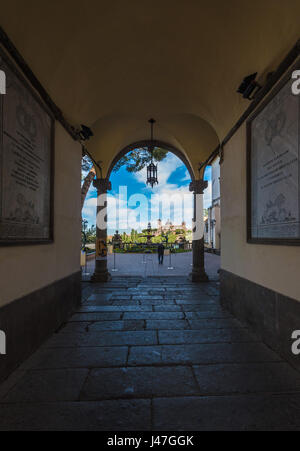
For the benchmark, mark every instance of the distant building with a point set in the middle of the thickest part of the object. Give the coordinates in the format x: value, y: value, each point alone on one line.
x: 212, y: 235
x: 169, y: 227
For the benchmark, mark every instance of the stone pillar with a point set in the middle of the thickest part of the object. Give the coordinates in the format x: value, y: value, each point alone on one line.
x: 198, y: 274
x: 101, y: 273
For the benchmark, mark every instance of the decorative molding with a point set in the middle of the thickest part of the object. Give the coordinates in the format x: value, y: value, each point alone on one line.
x: 198, y: 186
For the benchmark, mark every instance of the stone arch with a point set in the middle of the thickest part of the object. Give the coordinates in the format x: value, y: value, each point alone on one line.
x: 157, y: 143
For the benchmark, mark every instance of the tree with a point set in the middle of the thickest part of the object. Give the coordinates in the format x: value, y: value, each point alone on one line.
x: 87, y: 166
x: 137, y: 159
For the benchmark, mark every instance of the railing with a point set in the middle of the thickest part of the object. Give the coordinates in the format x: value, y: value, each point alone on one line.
x: 140, y: 248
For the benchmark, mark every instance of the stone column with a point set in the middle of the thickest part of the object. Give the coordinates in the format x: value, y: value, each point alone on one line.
x: 101, y: 273
x: 198, y: 274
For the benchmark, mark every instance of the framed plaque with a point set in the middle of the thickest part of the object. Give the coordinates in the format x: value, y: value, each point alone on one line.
x: 273, y: 166
x: 26, y: 163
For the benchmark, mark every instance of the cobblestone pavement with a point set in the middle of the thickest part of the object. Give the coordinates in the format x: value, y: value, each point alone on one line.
x: 152, y: 354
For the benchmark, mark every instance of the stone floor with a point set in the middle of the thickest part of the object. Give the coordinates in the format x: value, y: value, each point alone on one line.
x: 152, y: 354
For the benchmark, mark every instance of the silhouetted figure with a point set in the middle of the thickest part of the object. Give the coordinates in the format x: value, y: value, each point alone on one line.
x: 161, y: 253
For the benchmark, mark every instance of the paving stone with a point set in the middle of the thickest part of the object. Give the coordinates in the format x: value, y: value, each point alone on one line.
x: 167, y: 308
x: 99, y: 297
x: 153, y: 315
x: 89, y: 357
x: 201, y: 354
x: 207, y: 315
x: 75, y: 327
x: 206, y: 308
x: 117, y: 415
x: 157, y: 302
x: 110, y: 383
x: 137, y: 324
x: 247, y: 378
x: 204, y: 301
x: 115, y: 308
x: 48, y: 386
x: 229, y: 323
x: 206, y: 336
x: 107, y: 325
x: 100, y: 316
x: 148, y: 298
x: 113, y: 339
x: 167, y: 324
x: 119, y: 297
x: 98, y: 303
x: 125, y: 303
x: 201, y: 306
x: 98, y: 338
x: 232, y: 413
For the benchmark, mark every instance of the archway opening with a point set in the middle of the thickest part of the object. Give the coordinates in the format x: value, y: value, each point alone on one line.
x: 144, y: 221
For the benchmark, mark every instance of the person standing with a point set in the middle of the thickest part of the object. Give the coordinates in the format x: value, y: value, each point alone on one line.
x: 161, y: 253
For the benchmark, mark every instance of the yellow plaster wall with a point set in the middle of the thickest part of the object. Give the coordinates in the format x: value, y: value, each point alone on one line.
x: 274, y: 267
x: 26, y: 269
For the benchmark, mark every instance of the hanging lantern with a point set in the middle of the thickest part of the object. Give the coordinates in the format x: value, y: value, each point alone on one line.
x: 152, y: 175
x: 152, y: 168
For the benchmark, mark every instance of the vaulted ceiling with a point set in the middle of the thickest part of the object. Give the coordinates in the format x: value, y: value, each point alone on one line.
x: 114, y: 64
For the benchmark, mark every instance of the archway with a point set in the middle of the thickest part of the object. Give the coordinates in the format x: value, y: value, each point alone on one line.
x: 157, y: 143
x: 196, y: 189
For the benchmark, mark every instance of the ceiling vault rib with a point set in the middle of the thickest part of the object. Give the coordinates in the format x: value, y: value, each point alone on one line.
x: 287, y: 62
x: 13, y: 52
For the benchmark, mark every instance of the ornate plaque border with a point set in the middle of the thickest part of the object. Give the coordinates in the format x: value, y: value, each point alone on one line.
x: 250, y: 239
x: 18, y: 73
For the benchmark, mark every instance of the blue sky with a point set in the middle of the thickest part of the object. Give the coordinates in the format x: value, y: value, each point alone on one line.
x: 173, y: 179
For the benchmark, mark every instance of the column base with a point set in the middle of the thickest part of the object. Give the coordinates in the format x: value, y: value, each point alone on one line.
x: 101, y: 277
x: 199, y: 276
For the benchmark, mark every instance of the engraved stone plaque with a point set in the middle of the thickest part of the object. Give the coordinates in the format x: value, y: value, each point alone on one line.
x: 274, y: 169
x: 26, y: 163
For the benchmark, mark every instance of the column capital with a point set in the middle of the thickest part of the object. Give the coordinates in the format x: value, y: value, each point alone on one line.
x: 102, y: 185
x: 198, y: 186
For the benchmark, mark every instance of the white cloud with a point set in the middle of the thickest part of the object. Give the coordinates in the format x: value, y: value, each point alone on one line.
x: 89, y: 210
x: 166, y: 192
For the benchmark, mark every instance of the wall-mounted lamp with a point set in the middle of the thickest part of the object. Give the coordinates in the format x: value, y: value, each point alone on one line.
x: 249, y: 87
x: 85, y: 133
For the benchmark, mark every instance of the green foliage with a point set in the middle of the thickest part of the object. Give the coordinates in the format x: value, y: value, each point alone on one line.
x: 89, y: 235
x: 137, y: 159
x: 86, y: 163
x: 172, y: 238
